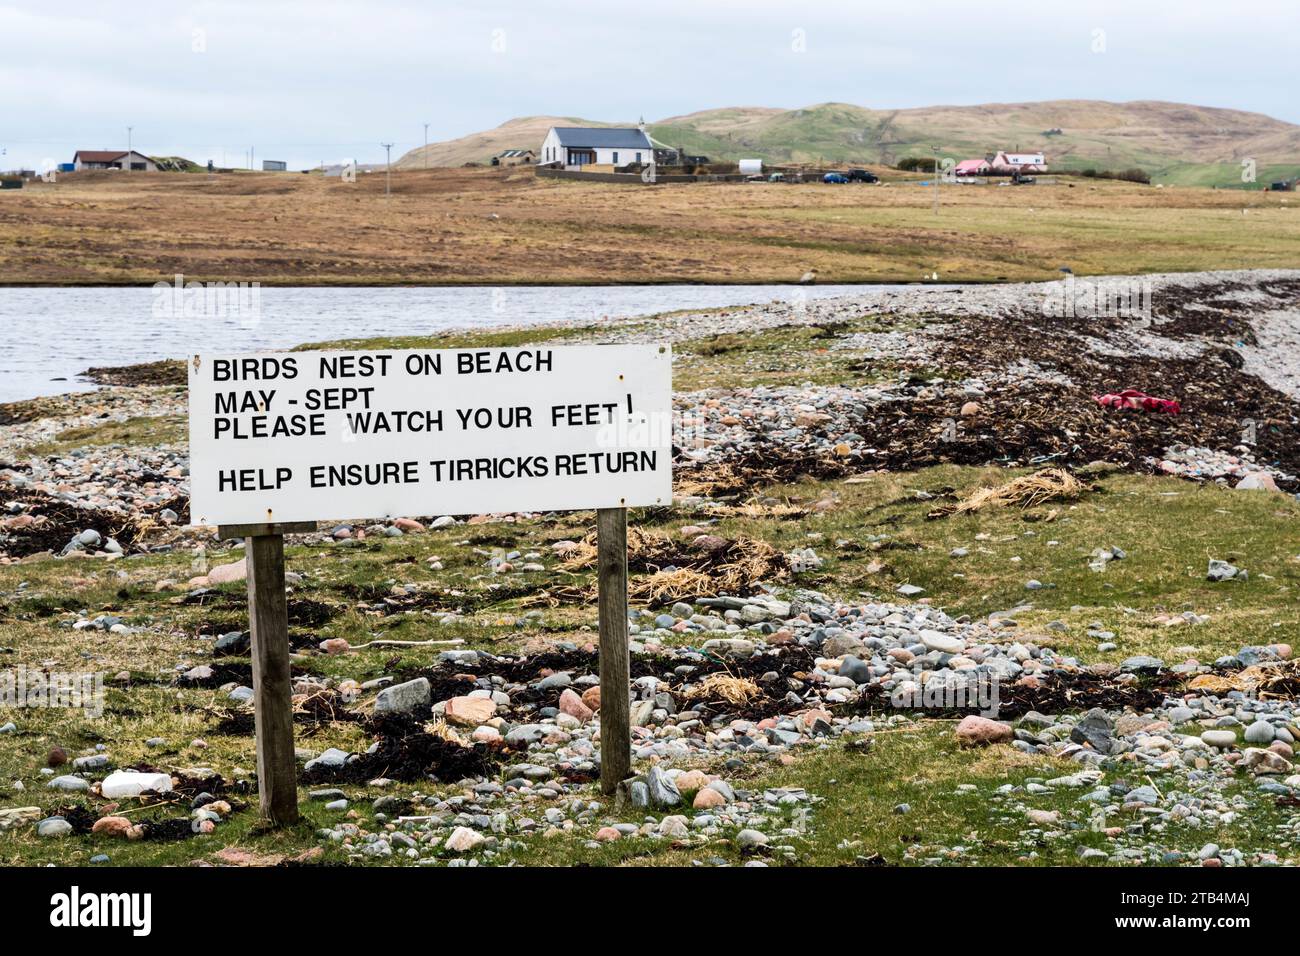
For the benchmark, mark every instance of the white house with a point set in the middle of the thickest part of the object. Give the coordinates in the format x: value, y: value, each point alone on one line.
x: 113, y: 159
x: 1025, y: 162
x: 573, y: 147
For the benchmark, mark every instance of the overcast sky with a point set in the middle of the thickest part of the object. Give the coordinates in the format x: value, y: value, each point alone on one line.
x: 312, y: 81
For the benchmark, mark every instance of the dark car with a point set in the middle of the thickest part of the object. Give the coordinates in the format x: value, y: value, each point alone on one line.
x: 834, y: 178
x: 862, y: 176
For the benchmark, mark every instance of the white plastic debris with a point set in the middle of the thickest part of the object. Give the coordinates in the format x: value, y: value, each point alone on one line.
x: 132, y: 783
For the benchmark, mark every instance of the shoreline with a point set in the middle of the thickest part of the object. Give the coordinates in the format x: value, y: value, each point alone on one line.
x: 1017, y: 290
x: 406, y: 282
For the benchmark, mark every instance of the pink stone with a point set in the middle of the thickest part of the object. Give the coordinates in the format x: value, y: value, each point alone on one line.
x: 112, y: 826
x: 469, y: 711
x: 1257, y: 481
x: 226, y: 573
x: 408, y: 524
x: 810, y: 717
x: 708, y: 799
x: 591, y: 697
x: 691, y: 780
x: 607, y: 834
x: 976, y: 731
x: 571, y: 704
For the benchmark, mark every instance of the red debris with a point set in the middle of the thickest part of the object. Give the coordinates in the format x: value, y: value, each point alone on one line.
x: 1132, y: 398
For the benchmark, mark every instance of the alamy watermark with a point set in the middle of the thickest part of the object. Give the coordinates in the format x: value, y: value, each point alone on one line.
x: 1101, y: 298
x: 39, y: 689
x: 179, y: 299
x: 963, y: 690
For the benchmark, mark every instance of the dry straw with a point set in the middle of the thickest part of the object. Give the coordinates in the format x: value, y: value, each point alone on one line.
x: 1050, y: 484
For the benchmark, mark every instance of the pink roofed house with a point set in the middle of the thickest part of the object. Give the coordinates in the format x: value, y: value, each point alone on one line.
x: 972, y: 167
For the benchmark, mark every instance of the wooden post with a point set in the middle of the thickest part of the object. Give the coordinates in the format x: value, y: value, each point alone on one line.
x: 615, y: 666
x: 268, y: 620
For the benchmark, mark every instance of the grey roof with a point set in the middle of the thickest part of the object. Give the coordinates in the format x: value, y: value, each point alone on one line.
x: 602, y: 137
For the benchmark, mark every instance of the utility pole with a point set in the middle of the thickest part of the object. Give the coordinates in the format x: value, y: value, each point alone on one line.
x: 426, y: 145
x: 128, y: 148
x: 388, y: 170
x: 936, y: 179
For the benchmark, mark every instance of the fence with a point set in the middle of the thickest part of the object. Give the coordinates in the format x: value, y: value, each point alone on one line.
x: 635, y: 179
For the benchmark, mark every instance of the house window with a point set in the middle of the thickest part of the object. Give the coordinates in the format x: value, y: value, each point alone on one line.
x: 616, y: 159
x: 638, y: 157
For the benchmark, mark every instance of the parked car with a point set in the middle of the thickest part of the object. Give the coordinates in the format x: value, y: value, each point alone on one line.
x: 834, y: 178
x: 776, y: 178
x: 862, y: 176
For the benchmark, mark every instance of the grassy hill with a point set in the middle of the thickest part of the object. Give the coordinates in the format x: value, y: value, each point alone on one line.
x: 176, y: 164
x: 1177, y: 143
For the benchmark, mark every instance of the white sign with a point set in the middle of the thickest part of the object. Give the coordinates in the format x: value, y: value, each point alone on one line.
x: 306, y: 436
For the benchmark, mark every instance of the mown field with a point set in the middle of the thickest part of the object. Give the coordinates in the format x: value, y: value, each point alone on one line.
x: 495, y: 227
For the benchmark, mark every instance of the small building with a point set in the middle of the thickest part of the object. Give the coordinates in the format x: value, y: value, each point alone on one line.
x: 972, y: 167
x: 1007, y: 163
x: 274, y: 166
x: 113, y: 159
x: 573, y: 147
x: 673, y: 156
x: 515, y: 157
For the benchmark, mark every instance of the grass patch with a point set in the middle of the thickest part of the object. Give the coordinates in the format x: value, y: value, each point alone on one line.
x: 462, y: 339
x: 141, y: 430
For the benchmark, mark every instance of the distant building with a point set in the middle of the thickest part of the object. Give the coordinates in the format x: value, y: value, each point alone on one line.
x: 113, y: 159
x: 672, y: 156
x: 1007, y: 163
x: 274, y: 166
x: 515, y: 157
x: 573, y: 147
x: 972, y: 167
